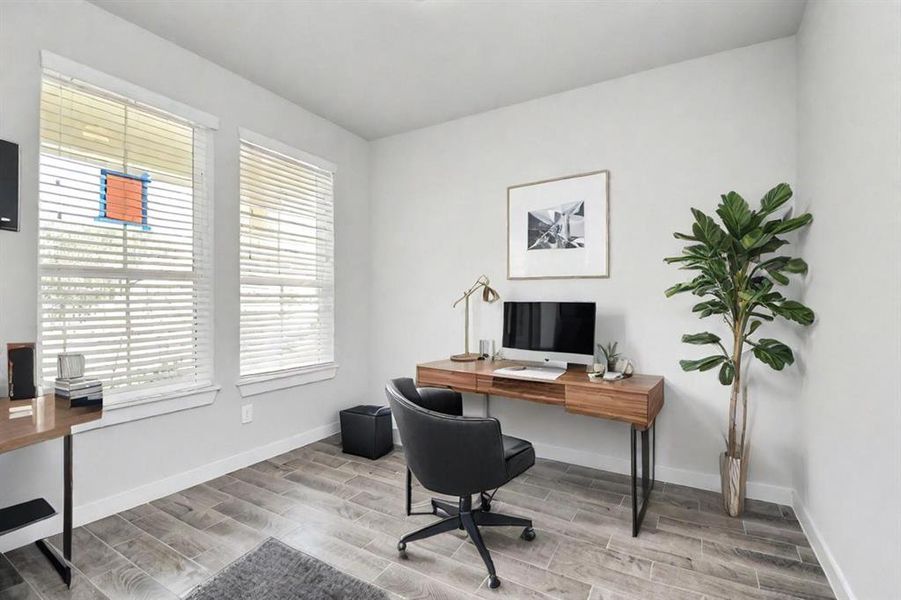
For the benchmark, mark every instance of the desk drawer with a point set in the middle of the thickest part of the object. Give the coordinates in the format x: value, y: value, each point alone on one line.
x: 608, y: 404
x: 441, y: 378
x: 536, y: 391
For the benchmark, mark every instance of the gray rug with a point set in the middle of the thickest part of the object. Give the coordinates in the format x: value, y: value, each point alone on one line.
x: 275, y: 571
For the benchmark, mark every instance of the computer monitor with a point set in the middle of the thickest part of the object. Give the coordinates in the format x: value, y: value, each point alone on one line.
x: 550, y: 331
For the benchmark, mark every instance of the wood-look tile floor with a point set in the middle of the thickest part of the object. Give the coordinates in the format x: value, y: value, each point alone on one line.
x: 348, y: 512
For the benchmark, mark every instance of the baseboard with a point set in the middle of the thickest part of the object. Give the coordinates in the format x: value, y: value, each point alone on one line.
x: 695, y: 479
x: 86, y: 513
x: 834, y: 574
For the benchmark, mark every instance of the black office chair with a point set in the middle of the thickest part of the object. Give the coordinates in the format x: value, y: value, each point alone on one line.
x: 457, y: 456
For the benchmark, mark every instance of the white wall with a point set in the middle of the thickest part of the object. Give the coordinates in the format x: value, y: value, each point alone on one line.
x: 672, y: 138
x: 849, y: 469
x: 114, y: 460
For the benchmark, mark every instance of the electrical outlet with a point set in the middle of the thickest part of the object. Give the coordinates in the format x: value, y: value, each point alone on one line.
x: 247, y: 413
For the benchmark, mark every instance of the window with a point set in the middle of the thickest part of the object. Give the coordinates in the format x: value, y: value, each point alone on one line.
x: 287, y: 259
x: 124, y: 241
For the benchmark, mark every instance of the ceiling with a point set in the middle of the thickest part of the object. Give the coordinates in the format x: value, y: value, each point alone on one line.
x: 380, y: 68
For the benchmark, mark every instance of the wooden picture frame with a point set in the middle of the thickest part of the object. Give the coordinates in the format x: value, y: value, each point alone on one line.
x: 559, y: 228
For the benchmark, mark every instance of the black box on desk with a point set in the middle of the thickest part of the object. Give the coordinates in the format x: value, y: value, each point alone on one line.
x: 366, y: 431
x: 95, y: 401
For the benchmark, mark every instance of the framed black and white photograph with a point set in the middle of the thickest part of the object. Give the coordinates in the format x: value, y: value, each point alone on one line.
x: 558, y: 228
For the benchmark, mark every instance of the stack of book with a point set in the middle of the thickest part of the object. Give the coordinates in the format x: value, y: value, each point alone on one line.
x: 80, y: 391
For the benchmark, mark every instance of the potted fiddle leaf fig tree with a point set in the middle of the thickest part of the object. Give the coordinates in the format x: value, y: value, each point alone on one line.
x: 739, y: 264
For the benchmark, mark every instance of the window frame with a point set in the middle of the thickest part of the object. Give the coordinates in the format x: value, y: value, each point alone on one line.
x: 129, y: 405
x: 260, y: 383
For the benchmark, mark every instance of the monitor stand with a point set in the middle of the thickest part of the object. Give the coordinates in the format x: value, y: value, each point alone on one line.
x: 551, y: 364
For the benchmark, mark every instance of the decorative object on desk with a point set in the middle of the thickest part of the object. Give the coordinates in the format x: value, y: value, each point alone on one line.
x: 489, y: 295
x: 598, y: 368
x: 20, y: 371
x: 558, y: 228
x: 610, y: 355
x: 624, y: 366
x: 80, y: 391
x: 69, y: 365
x: 486, y: 349
x: 72, y: 385
x: 736, y: 276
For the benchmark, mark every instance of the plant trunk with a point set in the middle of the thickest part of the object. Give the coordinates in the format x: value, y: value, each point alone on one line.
x: 733, y: 462
x: 733, y: 476
x: 732, y: 448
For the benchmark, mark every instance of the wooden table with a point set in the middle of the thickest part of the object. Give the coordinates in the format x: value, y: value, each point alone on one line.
x: 636, y: 400
x: 27, y: 422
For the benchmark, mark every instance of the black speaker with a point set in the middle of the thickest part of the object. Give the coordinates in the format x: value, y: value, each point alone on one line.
x: 20, y: 359
x: 9, y: 186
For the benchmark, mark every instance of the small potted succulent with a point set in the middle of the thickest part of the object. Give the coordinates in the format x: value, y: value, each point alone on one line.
x: 611, y: 356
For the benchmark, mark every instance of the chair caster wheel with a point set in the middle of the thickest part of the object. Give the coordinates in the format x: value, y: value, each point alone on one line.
x: 494, y: 582
x: 528, y: 534
x: 402, y: 549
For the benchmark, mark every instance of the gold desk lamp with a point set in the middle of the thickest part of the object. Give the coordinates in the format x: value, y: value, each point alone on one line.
x: 489, y: 295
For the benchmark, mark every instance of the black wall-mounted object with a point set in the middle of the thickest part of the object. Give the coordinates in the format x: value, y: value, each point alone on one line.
x: 21, y: 371
x: 9, y: 186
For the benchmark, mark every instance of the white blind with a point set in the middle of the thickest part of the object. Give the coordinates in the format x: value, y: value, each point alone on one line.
x: 133, y: 298
x: 287, y: 262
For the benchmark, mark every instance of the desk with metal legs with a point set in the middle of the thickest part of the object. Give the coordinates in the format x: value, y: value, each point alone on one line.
x: 636, y: 400
x: 26, y: 422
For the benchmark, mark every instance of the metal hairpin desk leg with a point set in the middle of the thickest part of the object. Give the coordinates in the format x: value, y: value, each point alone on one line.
x: 62, y: 564
x: 648, y: 467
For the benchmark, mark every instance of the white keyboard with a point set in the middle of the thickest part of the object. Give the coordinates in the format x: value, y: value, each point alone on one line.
x: 542, y: 373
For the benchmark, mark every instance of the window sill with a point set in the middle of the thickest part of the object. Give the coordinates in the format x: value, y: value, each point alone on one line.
x: 143, y: 407
x: 270, y: 382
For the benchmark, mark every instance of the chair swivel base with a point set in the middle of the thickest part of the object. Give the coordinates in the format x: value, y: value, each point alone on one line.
x: 463, y: 516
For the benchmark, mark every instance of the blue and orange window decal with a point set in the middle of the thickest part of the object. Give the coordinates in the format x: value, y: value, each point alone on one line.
x: 123, y: 198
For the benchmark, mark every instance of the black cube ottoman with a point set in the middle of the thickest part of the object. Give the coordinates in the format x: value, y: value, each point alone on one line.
x: 366, y: 431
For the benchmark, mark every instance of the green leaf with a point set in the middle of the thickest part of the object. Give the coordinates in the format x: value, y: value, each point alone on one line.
x: 685, y: 286
x: 777, y: 267
x: 796, y: 265
x: 771, y: 246
x: 710, y: 307
x: 703, y: 364
x: 727, y: 373
x: 763, y: 316
x: 793, y: 311
x: 786, y: 225
x: 779, y: 277
x: 735, y: 213
x: 684, y: 236
x: 773, y: 353
x: 706, y: 229
x: 755, y: 239
x: 753, y: 327
x: 700, y: 338
x: 775, y: 198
